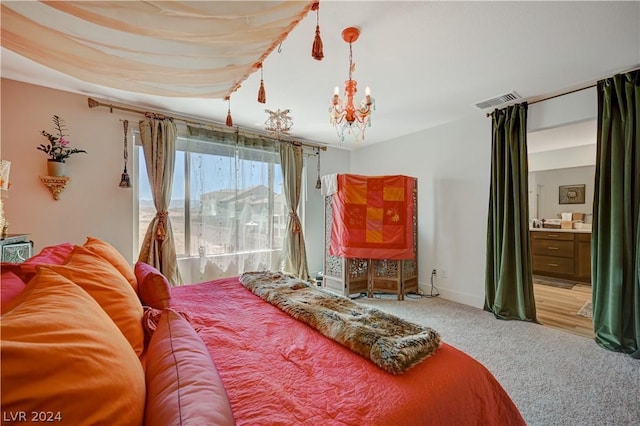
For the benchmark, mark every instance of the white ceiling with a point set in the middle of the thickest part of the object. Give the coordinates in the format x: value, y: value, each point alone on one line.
x: 568, y: 136
x: 427, y: 63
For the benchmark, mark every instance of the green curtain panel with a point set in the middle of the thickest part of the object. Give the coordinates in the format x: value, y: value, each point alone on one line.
x: 508, y: 282
x: 616, y: 216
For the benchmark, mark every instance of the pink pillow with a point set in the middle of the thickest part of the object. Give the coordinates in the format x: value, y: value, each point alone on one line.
x: 10, y: 286
x: 153, y: 287
x: 183, y: 385
x: 51, y: 255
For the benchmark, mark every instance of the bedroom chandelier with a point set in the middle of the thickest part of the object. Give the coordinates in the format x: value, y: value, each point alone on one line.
x: 279, y: 123
x: 343, y: 114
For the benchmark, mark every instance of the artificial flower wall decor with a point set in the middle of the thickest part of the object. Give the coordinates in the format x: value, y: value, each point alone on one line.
x: 58, y: 148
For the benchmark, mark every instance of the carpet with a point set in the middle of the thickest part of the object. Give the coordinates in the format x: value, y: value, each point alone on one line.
x: 391, y: 343
x: 586, y: 310
x: 553, y: 282
x: 554, y: 377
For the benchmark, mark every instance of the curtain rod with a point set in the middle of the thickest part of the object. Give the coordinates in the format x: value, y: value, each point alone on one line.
x: 571, y: 91
x: 93, y: 104
x: 555, y: 96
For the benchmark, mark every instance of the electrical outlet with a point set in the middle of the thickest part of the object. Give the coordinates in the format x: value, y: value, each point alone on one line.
x: 434, y: 272
x: 443, y: 272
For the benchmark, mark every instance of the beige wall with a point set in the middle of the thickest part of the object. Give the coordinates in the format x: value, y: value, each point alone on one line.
x: 451, y: 162
x: 453, y: 165
x: 546, y: 184
x: 92, y: 204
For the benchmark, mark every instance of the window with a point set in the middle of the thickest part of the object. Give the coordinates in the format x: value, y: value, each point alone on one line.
x: 228, y: 210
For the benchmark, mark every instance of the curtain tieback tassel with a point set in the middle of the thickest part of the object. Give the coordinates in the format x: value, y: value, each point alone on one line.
x: 295, y: 227
x: 161, y: 230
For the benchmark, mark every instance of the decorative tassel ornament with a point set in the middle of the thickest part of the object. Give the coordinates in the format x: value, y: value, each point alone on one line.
x: 316, y: 50
x: 125, y: 180
x: 229, y: 120
x: 262, y: 95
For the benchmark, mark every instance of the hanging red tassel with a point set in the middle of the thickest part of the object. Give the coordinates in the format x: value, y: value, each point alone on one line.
x: 316, y: 50
x: 229, y: 120
x: 262, y: 95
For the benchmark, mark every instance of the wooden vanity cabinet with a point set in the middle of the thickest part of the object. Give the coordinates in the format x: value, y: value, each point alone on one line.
x: 583, y: 257
x: 564, y: 255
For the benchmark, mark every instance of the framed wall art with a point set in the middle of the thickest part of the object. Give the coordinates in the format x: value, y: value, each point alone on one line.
x: 571, y: 194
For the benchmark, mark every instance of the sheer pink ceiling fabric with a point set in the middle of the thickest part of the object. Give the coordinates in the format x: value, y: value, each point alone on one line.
x: 178, y: 49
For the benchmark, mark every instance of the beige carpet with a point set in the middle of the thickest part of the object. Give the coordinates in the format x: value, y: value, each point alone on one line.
x: 586, y: 310
x: 554, y: 377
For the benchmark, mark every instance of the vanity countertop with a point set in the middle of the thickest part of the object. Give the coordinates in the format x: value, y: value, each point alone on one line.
x: 576, y: 231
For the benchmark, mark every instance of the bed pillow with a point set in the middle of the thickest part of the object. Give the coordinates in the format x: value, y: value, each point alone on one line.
x: 50, y: 255
x: 55, y: 254
x: 113, y: 256
x: 109, y: 288
x: 183, y: 385
x: 153, y: 287
x: 62, y: 354
x: 11, y: 285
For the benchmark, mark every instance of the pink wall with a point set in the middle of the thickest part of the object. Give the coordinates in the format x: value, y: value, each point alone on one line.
x: 92, y: 204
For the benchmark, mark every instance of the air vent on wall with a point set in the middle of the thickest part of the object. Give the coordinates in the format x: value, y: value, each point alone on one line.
x: 498, y: 100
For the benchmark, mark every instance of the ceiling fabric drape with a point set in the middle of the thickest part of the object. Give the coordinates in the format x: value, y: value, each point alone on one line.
x: 124, y: 45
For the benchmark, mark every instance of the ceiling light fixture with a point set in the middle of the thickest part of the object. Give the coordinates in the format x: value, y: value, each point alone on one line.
x: 344, y: 116
x: 279, y: 123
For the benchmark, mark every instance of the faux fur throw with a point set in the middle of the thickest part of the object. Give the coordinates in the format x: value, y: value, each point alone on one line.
x: 392, y: 343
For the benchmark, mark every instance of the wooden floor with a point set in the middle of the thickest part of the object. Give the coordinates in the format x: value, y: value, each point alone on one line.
x: 557, y: 307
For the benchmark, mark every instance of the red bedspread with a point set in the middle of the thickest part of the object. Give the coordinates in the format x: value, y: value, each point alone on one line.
x: 279, y: 371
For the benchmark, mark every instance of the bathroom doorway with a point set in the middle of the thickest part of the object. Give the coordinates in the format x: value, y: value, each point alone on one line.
x: 560, y: 251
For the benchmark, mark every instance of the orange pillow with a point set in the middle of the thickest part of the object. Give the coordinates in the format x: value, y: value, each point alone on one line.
x: 61, y: 353
x: 153, y: 287
x: 109, y: 288
x: 183, y: 385
x: 113, y: 256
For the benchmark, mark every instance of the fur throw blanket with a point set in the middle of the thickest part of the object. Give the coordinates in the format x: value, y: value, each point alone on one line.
x: 393, y: 344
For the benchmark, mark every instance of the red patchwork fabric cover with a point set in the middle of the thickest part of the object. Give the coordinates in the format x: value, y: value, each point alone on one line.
x: 372, y: 217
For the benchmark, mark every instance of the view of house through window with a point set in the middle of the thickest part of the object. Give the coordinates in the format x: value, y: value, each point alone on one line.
x: 227, y: 211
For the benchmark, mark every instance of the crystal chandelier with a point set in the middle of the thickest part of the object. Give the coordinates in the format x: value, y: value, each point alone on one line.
x: 279, y: 123
x: 343, y: 114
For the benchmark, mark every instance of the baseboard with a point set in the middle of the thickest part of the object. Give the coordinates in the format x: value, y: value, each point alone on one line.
x: 455, y: 296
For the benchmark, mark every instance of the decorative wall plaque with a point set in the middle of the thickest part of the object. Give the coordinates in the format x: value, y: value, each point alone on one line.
x: 571, y: 194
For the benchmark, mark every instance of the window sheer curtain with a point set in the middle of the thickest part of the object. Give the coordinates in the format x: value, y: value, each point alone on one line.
x: 616, y: 216
x: 294, y: 254
x: 508, y: 282
x: 237, y: 206
x: 158, y: 137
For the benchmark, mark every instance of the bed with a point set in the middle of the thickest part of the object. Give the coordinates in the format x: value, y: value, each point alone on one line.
x: 89, y: 339
x: 279, y: 371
